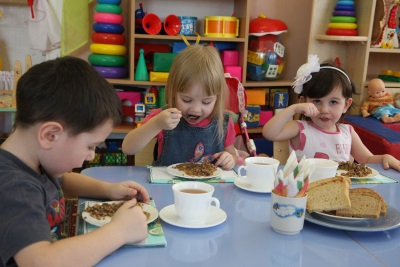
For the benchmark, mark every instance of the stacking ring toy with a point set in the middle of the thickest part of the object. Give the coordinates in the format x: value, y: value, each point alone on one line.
x: 344, y: 13
x: 345, y: 2
x: 108, y: 28
x: 106, y: 8
x: 108, y: 18
x: 108, y: 49
x: 341, y: 32
x: 343, y: 19
x: 112, y: 72
x: 344, y: 8
x: 110, y: 2
x: 108, y: 38
x: 347, y: 26
x: 107, y: 60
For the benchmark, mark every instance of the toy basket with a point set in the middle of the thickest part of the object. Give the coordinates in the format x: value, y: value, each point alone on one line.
x: 110, y: 154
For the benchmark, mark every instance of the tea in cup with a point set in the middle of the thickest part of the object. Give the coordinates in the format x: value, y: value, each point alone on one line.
x: 322, y: 168
x: 260, y: 172
x: 193, y: 200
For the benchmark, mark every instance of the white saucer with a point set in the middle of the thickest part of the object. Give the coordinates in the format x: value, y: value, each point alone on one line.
x: 168, y: 215
x: 246, y: 186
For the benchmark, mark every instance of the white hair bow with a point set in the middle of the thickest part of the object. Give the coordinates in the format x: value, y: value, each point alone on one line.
x: 304, y: 73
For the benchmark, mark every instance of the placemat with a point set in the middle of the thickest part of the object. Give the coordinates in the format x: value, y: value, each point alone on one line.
x: 379, y: 179
x: 159, y: 175
x: 155, y: 236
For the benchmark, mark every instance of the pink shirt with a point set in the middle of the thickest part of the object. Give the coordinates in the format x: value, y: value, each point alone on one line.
x: 229, y: 137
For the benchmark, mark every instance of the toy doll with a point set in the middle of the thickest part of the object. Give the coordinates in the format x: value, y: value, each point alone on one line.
x: 380, y: 103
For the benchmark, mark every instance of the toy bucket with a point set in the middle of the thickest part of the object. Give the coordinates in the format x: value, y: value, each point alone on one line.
x: 188, y: 25
x: 221, y: 26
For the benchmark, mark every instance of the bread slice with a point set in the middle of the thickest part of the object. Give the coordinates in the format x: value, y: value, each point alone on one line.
x: 329, y: 194
x: 365, y: 203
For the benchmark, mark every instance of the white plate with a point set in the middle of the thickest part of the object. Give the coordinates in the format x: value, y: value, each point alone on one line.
x: 390, y: 221
x: 175, y: 172
x: 100, y: 222
x: 169, y: 215
x: 339, y: 218
x: 246, y: 186
x: 373, y: 174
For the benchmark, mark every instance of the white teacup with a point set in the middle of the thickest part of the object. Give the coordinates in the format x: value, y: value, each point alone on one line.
x: 322, y: 168
x: 193, y: 200
x: 260, y: 172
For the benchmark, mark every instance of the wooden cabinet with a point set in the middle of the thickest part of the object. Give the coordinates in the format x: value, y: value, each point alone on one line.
x: 357, y: 57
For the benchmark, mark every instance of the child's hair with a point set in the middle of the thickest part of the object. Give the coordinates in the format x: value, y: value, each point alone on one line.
x: 67, y: 90
x: 323, y: 82
x: 199, y: 64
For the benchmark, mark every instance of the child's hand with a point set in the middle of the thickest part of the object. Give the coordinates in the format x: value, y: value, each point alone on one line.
x: 130, y: 222
x: 308, y: 109
x: 225, y: 160
x: 390, y: 162
x: 128, y: 190
x: 168, y: 119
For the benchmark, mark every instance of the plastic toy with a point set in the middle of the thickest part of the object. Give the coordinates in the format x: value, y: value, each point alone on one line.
x: 108, y: 42
x: 112, y: 72
x: 188, y: 25
x: 140, y: 112
x: 108, y: 18
x: 343, y: 22
x: 107, y: 60
x: 108, y: 28
x: 141, y: 73
x: 108, y: 38
x: 384, y: 28
x: 151, y: 24
x: 172, y: 25
x: 108, y: 49
x: 390, y: 76
x: 221, y: 26
x: 107, y: 8
x: 266, y: 53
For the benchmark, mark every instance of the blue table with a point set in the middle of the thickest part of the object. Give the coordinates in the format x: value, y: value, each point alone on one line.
x: 246, y: 237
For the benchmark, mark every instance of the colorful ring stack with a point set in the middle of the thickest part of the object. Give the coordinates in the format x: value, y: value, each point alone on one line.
x: 344, y: 21
x: 108, y: 45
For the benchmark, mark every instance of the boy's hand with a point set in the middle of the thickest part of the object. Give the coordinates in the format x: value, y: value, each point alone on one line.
x: 168, y: 119
x: 225, y: 160
x: 127, y: 190
x: 130, y: 221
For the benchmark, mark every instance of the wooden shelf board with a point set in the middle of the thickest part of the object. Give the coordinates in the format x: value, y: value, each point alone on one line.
x: 322, y: 37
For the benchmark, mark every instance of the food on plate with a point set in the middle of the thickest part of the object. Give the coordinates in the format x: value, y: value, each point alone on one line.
x: 328, y: 194
x: 196, y: 169
x: 365, y: 203
x: 354, y: 169
x: 103, y: 210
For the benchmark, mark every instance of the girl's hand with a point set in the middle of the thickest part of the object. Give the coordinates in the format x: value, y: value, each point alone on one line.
x: 130, y: 221
x: 308, y: 109
x: 168, y: 119
x: 390, y: 162
x: 127, y: 190
x: 225, y: 160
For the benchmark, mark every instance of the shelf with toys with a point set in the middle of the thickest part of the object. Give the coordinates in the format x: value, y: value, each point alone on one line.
x: 221, y: 10
x: 363, y: 53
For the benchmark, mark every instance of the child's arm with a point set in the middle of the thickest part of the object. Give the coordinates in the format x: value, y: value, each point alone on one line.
x: 362, y: 154
x: 281, y: 127
x: 80, y: 185
x: 128, y: 225
x: 138, y: 138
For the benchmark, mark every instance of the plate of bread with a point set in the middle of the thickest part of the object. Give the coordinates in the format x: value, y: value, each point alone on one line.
x: 355, y: 170
x: 332, y: 203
